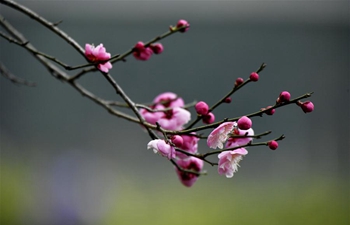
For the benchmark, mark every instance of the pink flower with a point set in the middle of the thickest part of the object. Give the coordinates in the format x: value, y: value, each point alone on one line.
x: 97, y: 54
x: 169, y: 100
x: 141, y: 52
x: 228, y: 161
x: 161, y: 147
x: 235, y: 142
x: 189, y: 144
x: 202, y: 108
x: 174, y: 119
x: 192, y: 163
x: 244, y: 123
x: 152, y: 117
x: 219, y: 135
x: 182, y: 23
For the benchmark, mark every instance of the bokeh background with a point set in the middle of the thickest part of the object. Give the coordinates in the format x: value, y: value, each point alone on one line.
x: 65, y: 160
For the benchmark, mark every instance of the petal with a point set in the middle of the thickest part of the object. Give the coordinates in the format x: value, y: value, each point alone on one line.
x: 219, y: 135
x: 154, y: 145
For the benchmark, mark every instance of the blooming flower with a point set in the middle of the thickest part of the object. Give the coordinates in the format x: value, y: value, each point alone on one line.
x: 141, y: 52
x: 192, y: 163
x: 161, y: 147
x: 228, y: 161
x: 97, y: 54
x: 169, y: 100
x: 189, y: 144
x: 234, y: 142
x: 219, y: 135
x: 173, y: 118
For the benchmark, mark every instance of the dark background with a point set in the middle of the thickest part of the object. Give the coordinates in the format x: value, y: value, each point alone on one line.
x: 65, y: 160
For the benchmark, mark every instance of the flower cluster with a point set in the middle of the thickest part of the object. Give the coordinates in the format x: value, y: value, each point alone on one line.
x: 141, y: 52
x: 165, y: 118
x: 202, y: 109
x: 234, y: 136
x: 168, y: 112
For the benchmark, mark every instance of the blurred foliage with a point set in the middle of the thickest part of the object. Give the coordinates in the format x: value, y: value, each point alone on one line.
x: 295, y: 202
x: 312, y: 201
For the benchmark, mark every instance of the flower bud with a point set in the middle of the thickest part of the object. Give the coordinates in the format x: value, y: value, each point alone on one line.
x: 177, y: 140
x: 157, y: 48
x: 307, y: 106
x: 273, y: 145
x: 202, y: 108
x: 228, y: 100
x: 139, y: 46
x: 244, y: 123
x: 254, y: 76
x: 239, y: 81
x: 182, y: 23
x: 270, y: 112
x: 209, y: 118
x: 284, y: 97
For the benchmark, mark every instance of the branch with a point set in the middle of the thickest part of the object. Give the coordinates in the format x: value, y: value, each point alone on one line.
x: 222, y: 100
x: 258, y: 113
x: 187, y: 171
x: 17, y: 80
x: 47, y: 24
x: 241, y: 146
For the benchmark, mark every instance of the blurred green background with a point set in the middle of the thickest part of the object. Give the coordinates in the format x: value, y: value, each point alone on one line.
x: 65, y: 160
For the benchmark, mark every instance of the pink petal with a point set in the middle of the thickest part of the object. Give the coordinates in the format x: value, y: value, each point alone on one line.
x: 219, y: 135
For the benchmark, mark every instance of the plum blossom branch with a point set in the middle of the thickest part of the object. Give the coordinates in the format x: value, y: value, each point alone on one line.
x: 121, y: 57
x: 65, y: 66
x: 222, y: 100
x: 257, y: 136
x: 258, y: 113
x: 250, y: 144
x: 142, y: 106
x: 44, y: 22
x: 56, y: 72
x: 167, y: 115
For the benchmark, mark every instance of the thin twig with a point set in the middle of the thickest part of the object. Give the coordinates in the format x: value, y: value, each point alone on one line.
x: 17, y: 80
x: 241, y: 146
x: 222, y: 100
